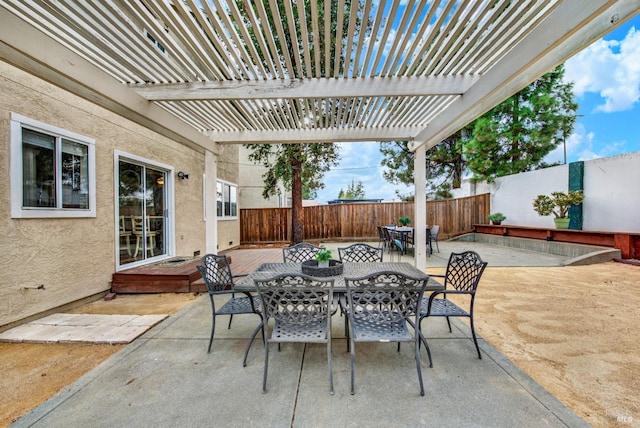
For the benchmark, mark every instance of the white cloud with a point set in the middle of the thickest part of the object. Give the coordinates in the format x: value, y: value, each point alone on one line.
x: 610, y: 68
x: 582, y: 145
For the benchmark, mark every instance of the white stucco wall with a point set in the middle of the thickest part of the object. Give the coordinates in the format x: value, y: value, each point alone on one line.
x: 75, y: 258
x: 612, y: 199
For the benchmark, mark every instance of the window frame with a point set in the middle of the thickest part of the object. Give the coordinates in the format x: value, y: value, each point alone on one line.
x: 18, y: 122
x: 225, y: 184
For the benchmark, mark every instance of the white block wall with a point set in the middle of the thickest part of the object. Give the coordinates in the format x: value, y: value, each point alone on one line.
x: 611, y: 188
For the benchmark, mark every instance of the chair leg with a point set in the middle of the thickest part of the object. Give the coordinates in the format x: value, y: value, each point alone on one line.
x: 135, y: 253
x: 213, y: 329
x: 266, y: 367
x: 346, y: 332
x: 426, y: 345
x: 152, y: 244
x: 353, y: 368
x: 230, y: 319
x: 417, y: 349
x: 329, y: 362
x: 449, y: 324
x: 250, y: 342
x: 475, y: 339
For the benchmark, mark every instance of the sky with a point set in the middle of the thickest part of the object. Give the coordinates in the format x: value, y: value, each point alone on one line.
x: 606, y: 77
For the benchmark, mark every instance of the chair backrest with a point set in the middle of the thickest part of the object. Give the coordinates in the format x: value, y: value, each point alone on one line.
x: 123, y: 224
x: 385, y: 295
x: 137, y: 224
x: 435, y: 229
x: 381, y: 233
x: 296, y: 298
x: 216, y: 272
x: 360, y: 252
x: 299, y: 253
x: 464, y: 271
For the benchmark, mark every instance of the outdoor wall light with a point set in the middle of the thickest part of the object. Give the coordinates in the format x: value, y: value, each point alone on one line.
x: 182, y: 175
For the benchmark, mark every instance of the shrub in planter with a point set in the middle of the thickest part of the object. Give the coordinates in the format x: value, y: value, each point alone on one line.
x: 497, y: 218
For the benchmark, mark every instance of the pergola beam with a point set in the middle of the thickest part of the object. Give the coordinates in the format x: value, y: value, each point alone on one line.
x: 398, y: 86
x: 323, y: 135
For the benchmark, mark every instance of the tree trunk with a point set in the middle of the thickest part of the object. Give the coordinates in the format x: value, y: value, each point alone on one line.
x: 297, y: 217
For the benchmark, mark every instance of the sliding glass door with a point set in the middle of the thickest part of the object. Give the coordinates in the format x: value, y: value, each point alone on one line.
x: 142, y: 211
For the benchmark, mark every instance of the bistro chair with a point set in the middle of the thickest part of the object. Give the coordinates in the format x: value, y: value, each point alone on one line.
x: 382, y: 237
x: 125, y: 232
x: 300, y: 305
x: 360, y: 252
x: 216, y: 272
x: 435, y: 230
x: 299, y: 253
x: 141, y: 229
x: 463, y: 274
x: 379, y: 309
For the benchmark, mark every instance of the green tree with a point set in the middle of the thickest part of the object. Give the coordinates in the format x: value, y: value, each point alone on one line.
x: 300, y: 166
x: 517, y: 134
x: 308, y: 193
x: 444, y: 164
x: 354, y: 191
x: 513, y: 137
x: 293, y: 165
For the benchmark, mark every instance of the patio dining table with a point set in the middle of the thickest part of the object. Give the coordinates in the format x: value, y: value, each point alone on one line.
x: 404, y: 233
x: 351, y: 270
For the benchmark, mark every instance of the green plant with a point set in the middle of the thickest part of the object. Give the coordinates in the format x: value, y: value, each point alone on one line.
x: 404, y: 221
x: 558, y: 203
x: 324, y: 255
x: 497, y: 217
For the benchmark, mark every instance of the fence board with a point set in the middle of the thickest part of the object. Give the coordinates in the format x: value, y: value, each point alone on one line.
x: 358, y: 221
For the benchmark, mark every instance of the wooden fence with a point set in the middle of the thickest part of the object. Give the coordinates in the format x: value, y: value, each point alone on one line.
x: 349, y: 222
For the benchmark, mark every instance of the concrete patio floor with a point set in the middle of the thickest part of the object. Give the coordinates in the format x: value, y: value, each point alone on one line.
x: 166, y: 378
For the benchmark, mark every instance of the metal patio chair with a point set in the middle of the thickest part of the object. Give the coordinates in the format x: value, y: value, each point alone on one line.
x: 300, y: 305
x: 435, y: 231
x: 299, y: 253
x: 216, y: 272
x: 382, y: 237
x: 463, y: 274
x: 360, y: 252
x: 379, y: 309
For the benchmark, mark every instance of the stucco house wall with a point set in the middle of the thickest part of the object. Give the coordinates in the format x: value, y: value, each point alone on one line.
x: 74, y: 258
x: 252, y: 185
x: 611, y: 199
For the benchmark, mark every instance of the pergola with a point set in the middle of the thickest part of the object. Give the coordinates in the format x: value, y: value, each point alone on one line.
x: 209, y: 72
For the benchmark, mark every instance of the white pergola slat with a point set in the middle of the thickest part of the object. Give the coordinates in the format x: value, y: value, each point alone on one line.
x: 250, y: 71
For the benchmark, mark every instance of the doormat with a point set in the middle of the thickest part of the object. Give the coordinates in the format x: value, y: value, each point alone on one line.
x: 174, y: 262
x: 74, y: 328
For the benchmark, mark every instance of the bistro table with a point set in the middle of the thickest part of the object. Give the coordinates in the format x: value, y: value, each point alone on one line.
x: 351, y: 270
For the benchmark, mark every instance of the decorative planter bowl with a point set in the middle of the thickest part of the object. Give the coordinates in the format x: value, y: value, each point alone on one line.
x: 310, y: 267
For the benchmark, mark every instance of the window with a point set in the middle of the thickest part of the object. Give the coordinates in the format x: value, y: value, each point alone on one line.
x: 53, y: 172
x: 227, y: 201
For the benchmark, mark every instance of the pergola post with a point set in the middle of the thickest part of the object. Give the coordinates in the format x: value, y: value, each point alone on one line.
x: 420, y: 208
x: 209, y: 195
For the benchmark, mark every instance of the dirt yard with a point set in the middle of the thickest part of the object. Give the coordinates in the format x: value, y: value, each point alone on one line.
x: 572, y: 329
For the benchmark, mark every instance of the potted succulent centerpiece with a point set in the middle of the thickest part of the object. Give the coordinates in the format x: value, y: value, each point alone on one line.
x: 404, y: 221
x: 558, y: 204
x: 497, y: 218
x: 323, y: 257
